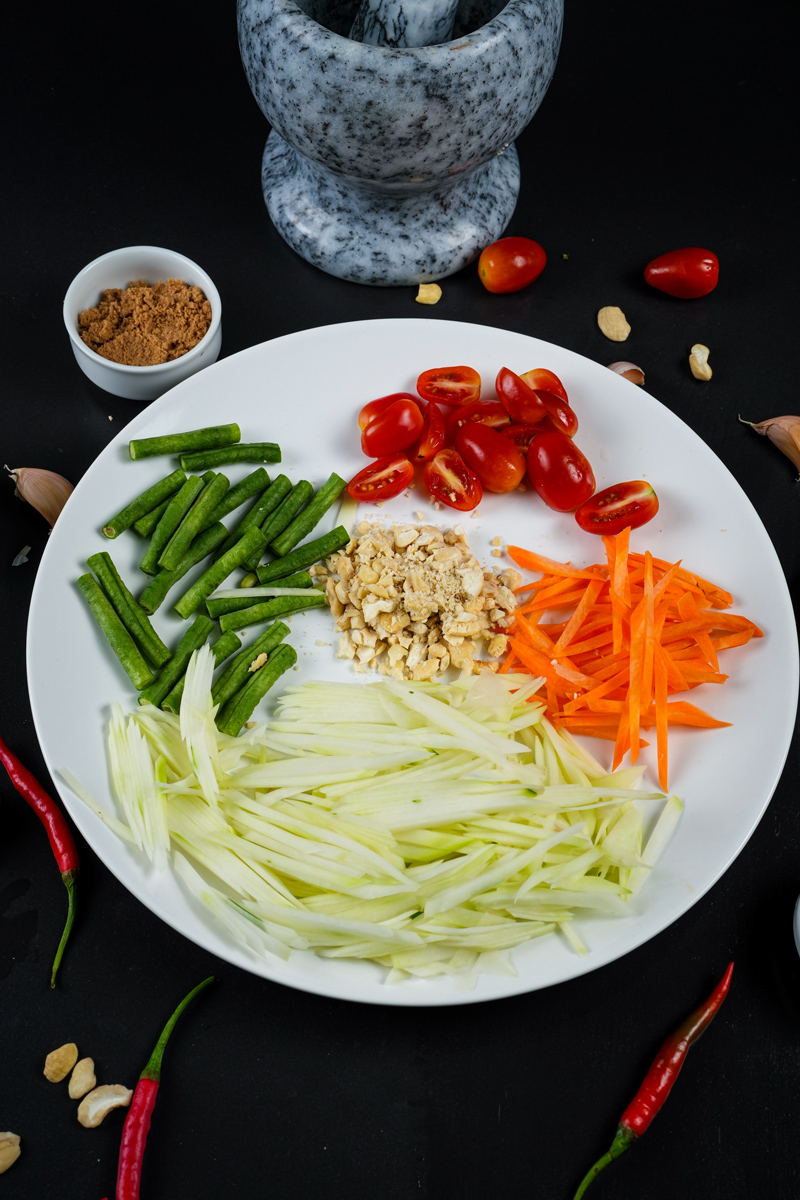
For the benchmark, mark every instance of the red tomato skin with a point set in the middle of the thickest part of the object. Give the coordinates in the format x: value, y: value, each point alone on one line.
x: 485, y: 412
x: 542, y: 380
x: 449, y: 479
x: 396, y: 428
x: 382, y: 479
x: 522, y: 435
x: 623, y: 504
x: 433, y: 436
x: 559, y: 471
x: 371, y: 410
x: 496, y: 460
x: 450, y: 385
x: 560, y: 416
x: 686, y: 274
x: 520, y: 401
x: 510, y: 264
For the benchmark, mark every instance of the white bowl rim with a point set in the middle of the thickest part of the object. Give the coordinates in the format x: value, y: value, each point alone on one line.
x: 208, y: 286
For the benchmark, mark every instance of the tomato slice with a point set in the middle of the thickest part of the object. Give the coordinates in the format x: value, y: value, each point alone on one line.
x: 496, y: 460
x: 371, y: 410
x: 542, y: 380
x: 433, y: 436
x: 450, y: 385
x: 484, y: 412
x: 396, y: 428
x: 560, y: 415
x: 449, y: 479
x: 559, y: 472
x: 522, y: 435
x: 518, y: 399
x: 624, y: 504
x: 510, y: 264
x: 382, y: 479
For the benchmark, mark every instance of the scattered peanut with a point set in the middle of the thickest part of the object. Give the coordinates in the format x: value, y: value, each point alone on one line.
x: 82, y: 1079
x: 613, y: 324
x: 429, y: 293
x: 9, y: 1150
x: 60, y: 1062
x: 698, y: 362
x: 628, y: 371
x: 94, y: 1107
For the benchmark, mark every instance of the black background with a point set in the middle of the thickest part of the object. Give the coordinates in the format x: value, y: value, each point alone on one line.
x: 665, y: 126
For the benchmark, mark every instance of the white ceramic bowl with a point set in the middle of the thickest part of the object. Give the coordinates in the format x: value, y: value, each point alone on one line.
x: 116, y: 270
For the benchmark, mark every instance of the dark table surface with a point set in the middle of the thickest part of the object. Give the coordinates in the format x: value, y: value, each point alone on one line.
x: 663, y: 128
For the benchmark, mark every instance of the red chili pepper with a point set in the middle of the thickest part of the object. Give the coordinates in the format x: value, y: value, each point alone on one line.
x: 137, y: 1120
x: 62, y: 842
x: 658, y: 1081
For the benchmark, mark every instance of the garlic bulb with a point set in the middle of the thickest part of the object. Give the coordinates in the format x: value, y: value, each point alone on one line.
x: 783, y: 431
x: 46, y: 491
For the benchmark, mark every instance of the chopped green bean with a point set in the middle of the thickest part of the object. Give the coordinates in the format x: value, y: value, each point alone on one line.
x: 248, y: 452
x: 283, y: 516
x: 144, y: 503
x: 133, y: 618
x: 244, y: 702
x: 194, y: 522
x: 279, y: 606
x: 252, y: 485
x: 117, y: 635
x: 155, y: 593
x: 146, y: 524
x: 196, y: 636
x: 258, y: 512
x: 305, y: 555
x: 306, y: 521
x: 193, y: 439
x: 177, y: 509
x: 236, y: 673
x: 221, y: 649
x: 210, y: 580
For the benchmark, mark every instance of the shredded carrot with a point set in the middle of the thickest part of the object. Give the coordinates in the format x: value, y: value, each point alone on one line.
x: 635, y: 631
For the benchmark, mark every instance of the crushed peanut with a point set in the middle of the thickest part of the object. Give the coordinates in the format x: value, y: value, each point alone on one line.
x: 256, y: 663
x: 9, y: 1150
x: 95, y: 1107
x: 429, y: 293
x: 82, y: 1079
x: 412, y: 600
x: 698, y: 362
x: 613, y: 324
x: 60, y: 1062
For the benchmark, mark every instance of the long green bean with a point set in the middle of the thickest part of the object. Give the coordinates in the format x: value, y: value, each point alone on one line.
x: 221, y: 649
x: 307, y: 520
x: 257, y: 512
x: 240, y: 707
x: 237, y: 672
x: 210, y: 580
x: 303, y: 556
x: 194, y: 522
x: 280, y: 606
x: 283, y: 516
x: 144, y: 503
x: 179, y: 443
x: 248, y: 452
x: 133, y: 618
x: 155, y: 593
x: 196, y: 635
x: 252, y: 485
x: 117, y: 635
x: 217, y: 606
x: 146, y: 524
x: 176, y: 510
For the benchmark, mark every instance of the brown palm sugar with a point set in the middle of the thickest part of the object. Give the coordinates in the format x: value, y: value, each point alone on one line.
x: 144, y: 324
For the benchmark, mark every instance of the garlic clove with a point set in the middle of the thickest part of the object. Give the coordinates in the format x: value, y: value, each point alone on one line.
x: 628, y: 371
x: 783, y: 431
x: 46, y: 491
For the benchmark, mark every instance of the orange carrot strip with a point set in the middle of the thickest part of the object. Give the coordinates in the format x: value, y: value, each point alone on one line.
x: 507, y: 663
x: 531, y: 561
x: 680, y: 712
x: 588, y: 698
x: 576, y: 620
x: 687, y: 607
x: 622, y: 741
x: 533, y: 635
x: 539, y: 664
x: 649, y: 632
x: 636, y: 668
x: 661, y: 713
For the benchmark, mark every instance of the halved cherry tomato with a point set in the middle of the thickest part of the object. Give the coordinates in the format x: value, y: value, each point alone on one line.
x: 559, y: 472
x: 484, y: 412
x: 686, y: 273
x: 450, y: 385
x: 449, y: 479
x: 382, y: 479
x: 559, y: 414
x: 371, y: 410
x: 612, y: 510
x: 396, y: 428
x: 510, y: 264
x: 433, y: 435
x: 518, y: 399
x: 522, y: 435
x: 496, y: 460
x: 542, y: 380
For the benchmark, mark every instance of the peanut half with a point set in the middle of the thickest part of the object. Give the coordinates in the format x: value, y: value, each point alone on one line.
x: 82, y: 1079
x: 613, y: 324
x: 94, y: 1107
x: 698, y: 362
x: 9, y: 1150
x: 429, y: 293
x: 60, y: 1062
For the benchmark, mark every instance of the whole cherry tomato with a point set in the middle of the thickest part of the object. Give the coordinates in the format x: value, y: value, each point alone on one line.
x: 496, y: 460
x: 396, y: 428
x: 382, y: 479
x: 542, y: 380
x: 484, y: 412
x: 522, y: 435
x: 559, y: 414
x: 612, y: 510
x: 518, y: 399
x: 559, y: 472
x: 450, y: 385
x: 687, y: 273
x: 511, y: 264
x: 371, y: 410
x: 433, y: 435
x: 449, y: 479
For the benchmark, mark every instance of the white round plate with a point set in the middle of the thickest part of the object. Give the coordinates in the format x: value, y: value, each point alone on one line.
x: 304, y: 391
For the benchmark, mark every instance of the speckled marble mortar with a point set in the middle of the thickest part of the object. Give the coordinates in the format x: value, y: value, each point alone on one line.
x: 394, y: 166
